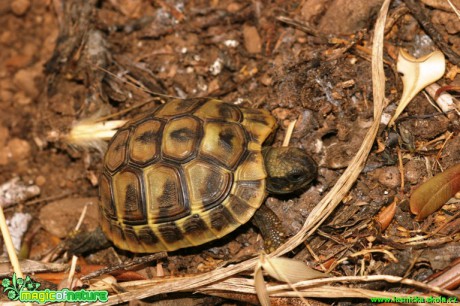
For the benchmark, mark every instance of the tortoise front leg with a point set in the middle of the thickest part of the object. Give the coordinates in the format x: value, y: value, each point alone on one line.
x: 270, y: 227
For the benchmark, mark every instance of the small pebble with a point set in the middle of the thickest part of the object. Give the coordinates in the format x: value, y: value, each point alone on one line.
x: 266, y: 79
x: 19, y: 148
x: 6, y: 37
x: 24, y: 79
x: 40, y: 180
x: 20, y: 7
x: 389, y: 177
x: 413, y: 170
x: 252, y: 40
x: 20, y: 98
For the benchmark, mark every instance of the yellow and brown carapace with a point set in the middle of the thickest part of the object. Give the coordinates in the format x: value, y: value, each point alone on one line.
x: 190, y: 172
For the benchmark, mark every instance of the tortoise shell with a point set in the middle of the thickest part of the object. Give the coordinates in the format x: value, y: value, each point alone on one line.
x: 189, y: 172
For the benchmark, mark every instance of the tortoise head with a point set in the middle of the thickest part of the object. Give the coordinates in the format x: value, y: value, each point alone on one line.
x: 288, y: 169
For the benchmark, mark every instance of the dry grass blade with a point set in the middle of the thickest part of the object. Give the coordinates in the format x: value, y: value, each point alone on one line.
x: 316, y: 217
x: 454, y: 8
x: 343, y: 185
x: 309, y: 287
x: 9, y: 247
x: 261, y: 288
x: 289, y: 132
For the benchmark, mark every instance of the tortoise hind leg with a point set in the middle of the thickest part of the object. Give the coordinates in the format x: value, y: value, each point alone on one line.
x: 84, y: 242
x: 270, y: 227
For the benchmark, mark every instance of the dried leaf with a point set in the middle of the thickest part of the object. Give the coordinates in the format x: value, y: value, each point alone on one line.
x: 259, y: 284
x: 289, y: 270
x: 435, y: 192
x: 417, y: 74
x: 385, y: 216
x: 103, y: 281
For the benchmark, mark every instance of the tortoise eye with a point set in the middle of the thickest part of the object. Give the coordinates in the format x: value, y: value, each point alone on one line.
x: 296, y: 176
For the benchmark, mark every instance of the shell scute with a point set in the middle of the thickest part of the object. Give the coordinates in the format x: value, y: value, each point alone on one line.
x: 181, y: 137
x: 196, y: 230
x: 215, y: 109
x: 144, y: 142
x: 259, y: 124
x: 116, y: 153
x: 106, y: 204
x: 177, y: 107
x: 129, y: 204
x: 222, y: 221
x: 164, y: 193
x: 225, y: 142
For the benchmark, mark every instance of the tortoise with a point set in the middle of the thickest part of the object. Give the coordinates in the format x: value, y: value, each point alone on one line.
x: 192, y: 171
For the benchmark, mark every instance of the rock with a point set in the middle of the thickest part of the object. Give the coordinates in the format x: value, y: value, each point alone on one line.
x: 60, y: 217
x: 20, y: 7
x: 252, y: 40
x: 344, y: 17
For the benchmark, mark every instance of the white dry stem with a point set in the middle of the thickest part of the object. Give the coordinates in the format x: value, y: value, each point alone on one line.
x: 10, y: 247
x: 417, y: 74
x: 289, y: 132
x: 260, y: 286
x: 82, y: 217
x: 454, y: 8
x: 445, y: 101
x: 73, y: 267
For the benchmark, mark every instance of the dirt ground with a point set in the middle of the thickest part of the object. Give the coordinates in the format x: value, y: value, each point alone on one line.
x: 66, y: 62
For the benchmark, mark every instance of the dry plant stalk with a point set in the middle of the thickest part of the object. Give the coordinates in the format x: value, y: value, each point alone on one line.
x: 10, y: 247
x: 289, y: 131
x: 317, y: 216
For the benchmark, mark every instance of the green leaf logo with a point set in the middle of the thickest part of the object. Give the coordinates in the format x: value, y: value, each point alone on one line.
x: 14, y: 286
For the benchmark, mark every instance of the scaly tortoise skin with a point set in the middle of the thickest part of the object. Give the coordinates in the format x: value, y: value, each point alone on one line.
x: 190, y: 172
